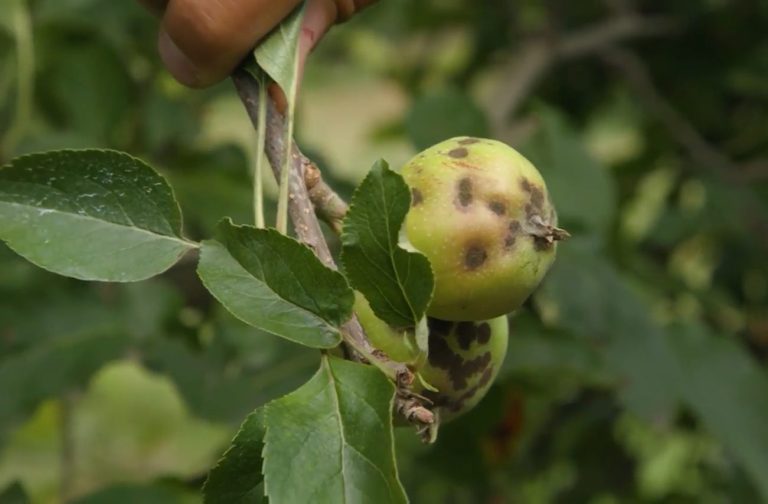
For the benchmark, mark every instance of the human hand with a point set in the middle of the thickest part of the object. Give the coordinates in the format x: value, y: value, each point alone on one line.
x: 202, y: 41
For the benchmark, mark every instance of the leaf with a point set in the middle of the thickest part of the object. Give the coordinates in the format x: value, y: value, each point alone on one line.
x: 126, y: 493
x: 398, y: 284
x: 728, y: 391
x: 274, y: 283
x: 277, y: 54
x: 14, y: 494
x: 237, y: 478
x: 584, y: 295
x: 91, y: 215
x: 278, y: 57
x: 444, y: 114
x: 45, y: 371
x: 581, y: 188
x: 331, y: 440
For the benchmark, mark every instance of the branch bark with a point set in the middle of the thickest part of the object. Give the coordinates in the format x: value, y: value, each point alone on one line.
x: 302, y: 213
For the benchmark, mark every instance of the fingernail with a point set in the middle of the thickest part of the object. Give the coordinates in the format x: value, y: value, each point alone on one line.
x: 180, y: 66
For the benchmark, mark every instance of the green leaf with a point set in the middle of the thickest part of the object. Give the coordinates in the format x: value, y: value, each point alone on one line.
x: 444, y: 114
x: 237, y: 478
x: 728, y: 391
x: 582, y: 189
x: 584, y: 295
x: 14, y: 494
x: 45, y: 371
x: 331, y: 440
x: 90, y: 214
x: 277, y: 54
x: 278, y: 57
x: 274, y: 283
x: 398, y: 284
x: 126, y: 493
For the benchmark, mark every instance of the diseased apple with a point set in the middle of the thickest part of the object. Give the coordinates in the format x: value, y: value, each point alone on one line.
x: 481, y: 214
x: 464, y: 359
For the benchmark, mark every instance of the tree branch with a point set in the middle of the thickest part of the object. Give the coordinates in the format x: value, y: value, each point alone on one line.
x: 539, y: 53
x: 307, y: 227
x: 701, y: 151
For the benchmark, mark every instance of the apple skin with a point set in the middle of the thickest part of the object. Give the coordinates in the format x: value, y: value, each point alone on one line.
x: 481, y: 214
x: 461, y: 364
x: 464, y: 359
x: 399, y: 345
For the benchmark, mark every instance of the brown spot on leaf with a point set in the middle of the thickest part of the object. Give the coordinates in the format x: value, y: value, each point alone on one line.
x: 464, y: 189
x: 458, y: 153
x: 474, y: 257
x: 498, y: 207
x: 416, y: 197
x: 469, y: 141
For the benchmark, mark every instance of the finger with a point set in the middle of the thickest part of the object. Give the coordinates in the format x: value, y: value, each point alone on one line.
x: 155, y: 6
x: 201, y: 41
x: 318, y: 18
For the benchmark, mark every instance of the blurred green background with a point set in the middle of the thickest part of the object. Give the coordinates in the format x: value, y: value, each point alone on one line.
x: 637, y: 373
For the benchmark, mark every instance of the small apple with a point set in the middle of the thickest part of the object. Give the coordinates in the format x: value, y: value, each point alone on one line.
x: 464, y: 359
x: 481, y: 214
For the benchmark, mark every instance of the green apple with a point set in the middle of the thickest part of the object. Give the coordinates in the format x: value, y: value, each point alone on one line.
x: 481, y: 214
x: 399, y: 345
x: 464, y: 359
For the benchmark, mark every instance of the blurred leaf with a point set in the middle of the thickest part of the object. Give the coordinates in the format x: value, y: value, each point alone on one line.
x: 344, y: 410
x: 14, y: 494
x: 397, y: 284
x: 90, y: 90
x: 92, y: 215
x: 133, y: 494
x: 444, y: 114
x: 276, y: 284
x: 278, y: 56
x: 728, y: 391
x: 237, y: 477
x: 226, y: 389
x: 585, y: 295
x: 581, y: 189
x: 67, y: 364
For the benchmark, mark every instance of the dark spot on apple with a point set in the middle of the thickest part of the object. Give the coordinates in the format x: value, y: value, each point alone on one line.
x: 464, y: 189
x: 498, y: 207
x: 439, y: 326
x: 465, y: 334
x: 416, y: 197
x: 483, y: 332
x: 513, y: 230
x: 529, y: 210
x: 441, y: 356
x: 525, y: 184
x: 469, y: 141
x: 474, y: 257
x: 458, y: 153
x: 461, y: 371
x: 541, y: 244
x: 537, y: 198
